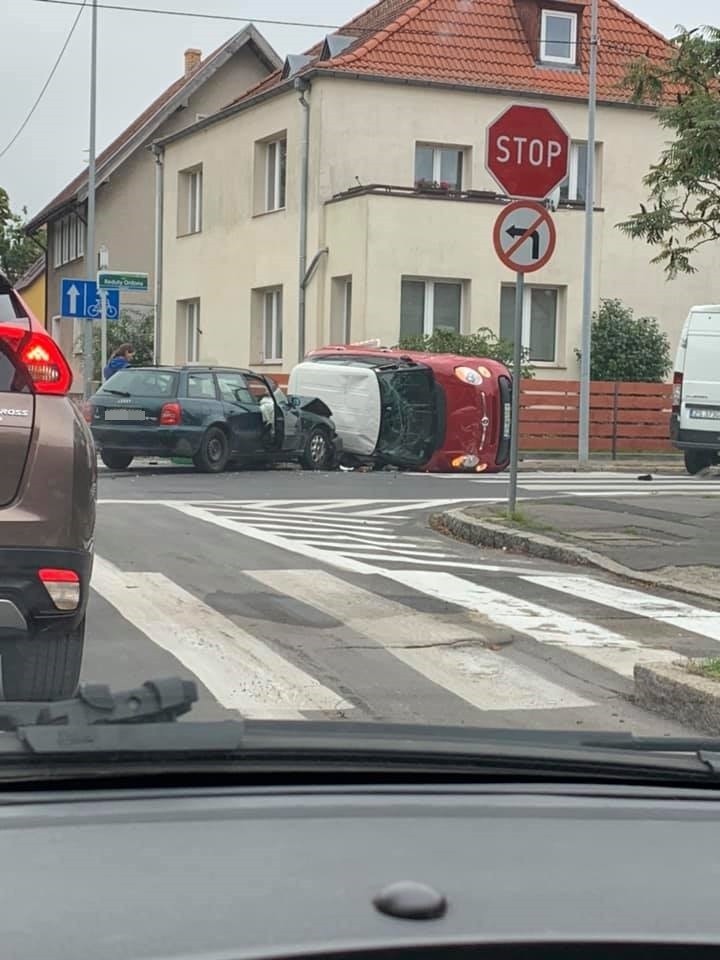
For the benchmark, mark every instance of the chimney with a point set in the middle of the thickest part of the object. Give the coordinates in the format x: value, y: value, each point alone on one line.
x: 192, y: 59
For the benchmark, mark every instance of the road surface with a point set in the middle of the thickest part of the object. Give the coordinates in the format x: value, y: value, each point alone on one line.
x: 290, y: 594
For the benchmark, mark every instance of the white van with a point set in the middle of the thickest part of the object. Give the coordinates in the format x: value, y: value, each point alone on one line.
x: 695, y: 419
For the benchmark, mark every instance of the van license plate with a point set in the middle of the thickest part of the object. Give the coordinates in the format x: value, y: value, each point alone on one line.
x: 124, y: 414
x: 705, y: 413
x: 507, y: 420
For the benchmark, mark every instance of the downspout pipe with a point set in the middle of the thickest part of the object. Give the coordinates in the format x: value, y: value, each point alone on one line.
x: 302, y: 85
x: 159, y: 211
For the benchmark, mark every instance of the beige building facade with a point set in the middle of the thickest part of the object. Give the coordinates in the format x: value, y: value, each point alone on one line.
x: 387, y: 257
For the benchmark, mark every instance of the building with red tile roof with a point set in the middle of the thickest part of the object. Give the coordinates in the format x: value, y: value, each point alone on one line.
x: 391, y: 229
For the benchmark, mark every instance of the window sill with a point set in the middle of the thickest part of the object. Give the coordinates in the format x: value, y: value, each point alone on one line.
x: 269, y: 363
x: 268, y: 213
x: 190, y: 233
x: 547, y: 364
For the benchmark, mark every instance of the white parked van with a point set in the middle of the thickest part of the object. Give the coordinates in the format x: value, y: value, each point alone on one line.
x: 695, y: 419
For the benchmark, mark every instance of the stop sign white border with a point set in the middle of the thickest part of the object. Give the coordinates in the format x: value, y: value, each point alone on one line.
x: 529, y: 106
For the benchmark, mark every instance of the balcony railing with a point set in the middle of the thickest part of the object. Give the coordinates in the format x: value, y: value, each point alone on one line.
x: 438, y: 192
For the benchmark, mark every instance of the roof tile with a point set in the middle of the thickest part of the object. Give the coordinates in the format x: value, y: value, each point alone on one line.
x: 481, y: 43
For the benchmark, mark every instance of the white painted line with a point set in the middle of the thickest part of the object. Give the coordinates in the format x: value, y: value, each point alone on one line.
x: 432, y: 646
x: 298, y: 516
x: 300, y: 524
x: 588, y: 640
x: 682, y: 616
x: 400, y: 553
x: 410, y: 505
x: 274, y: 539
x: 240, y: 671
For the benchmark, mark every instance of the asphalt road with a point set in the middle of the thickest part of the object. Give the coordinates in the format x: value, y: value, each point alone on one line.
x: 291, y: 594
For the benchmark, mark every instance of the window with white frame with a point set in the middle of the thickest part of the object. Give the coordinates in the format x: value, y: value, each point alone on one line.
x: 558, y: 37
x: 272, y: 325
x: 573, y: 188
x: 427, y: 305
x: 68, y: 239
x: 190, y: 201
x: 275, y: 174
x: 192, y: 331
x: 437, y: 165
x: 539, y: 321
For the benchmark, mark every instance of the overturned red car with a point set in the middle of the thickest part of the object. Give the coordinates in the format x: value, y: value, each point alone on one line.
x: 413, y: 410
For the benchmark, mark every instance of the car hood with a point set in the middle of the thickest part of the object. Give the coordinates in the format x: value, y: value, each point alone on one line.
x: 311, y: 405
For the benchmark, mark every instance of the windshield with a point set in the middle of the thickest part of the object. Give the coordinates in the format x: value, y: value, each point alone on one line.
x: 372, y: 361
x: 142, y: 383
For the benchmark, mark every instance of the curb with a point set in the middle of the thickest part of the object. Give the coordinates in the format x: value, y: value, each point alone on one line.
x: 678, y: 695
x: 604, y: 466
x: 487, y: 534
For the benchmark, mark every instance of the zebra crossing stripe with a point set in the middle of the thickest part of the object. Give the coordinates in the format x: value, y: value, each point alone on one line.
x: 240, y: 671
x: 608, y: 649
x: 675, y: 613
x: 447, y: 653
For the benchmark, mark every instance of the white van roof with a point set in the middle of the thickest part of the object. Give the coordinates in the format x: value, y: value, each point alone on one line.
x: 706, y: 308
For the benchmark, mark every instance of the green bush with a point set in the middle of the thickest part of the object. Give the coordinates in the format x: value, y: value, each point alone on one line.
x: 626, y: 348
x: 482, y: 343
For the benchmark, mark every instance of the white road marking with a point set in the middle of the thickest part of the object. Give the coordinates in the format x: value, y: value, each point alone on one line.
x: 588, y: 640
x: 292, y: 524
x: 240, y: 671
x: 445, y: 652
x: 682, y: 616
x: 341, y: 560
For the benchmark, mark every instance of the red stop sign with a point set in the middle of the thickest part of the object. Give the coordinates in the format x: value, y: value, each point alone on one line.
x: 527, y: 151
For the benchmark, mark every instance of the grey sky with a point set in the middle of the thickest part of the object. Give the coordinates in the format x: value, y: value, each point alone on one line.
x: 139, y: 55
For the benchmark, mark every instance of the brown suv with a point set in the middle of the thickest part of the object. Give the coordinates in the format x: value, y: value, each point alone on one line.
x: 48, y: 476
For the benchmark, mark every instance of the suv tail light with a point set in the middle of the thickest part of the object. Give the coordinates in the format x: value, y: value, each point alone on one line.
x: 170, y: 415
x: 63, y: 587
x: 42, y: 357
x: 677, y: 392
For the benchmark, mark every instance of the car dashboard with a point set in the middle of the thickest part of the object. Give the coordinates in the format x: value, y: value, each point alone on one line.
x: 362, y: 871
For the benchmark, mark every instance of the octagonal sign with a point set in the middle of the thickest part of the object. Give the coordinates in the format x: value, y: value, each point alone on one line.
x: 528, y: 151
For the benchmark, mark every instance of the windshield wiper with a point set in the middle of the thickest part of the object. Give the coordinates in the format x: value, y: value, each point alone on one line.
x: 117, y: 393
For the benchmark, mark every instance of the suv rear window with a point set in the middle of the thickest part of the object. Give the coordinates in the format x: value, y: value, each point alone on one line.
x: 142, y: 383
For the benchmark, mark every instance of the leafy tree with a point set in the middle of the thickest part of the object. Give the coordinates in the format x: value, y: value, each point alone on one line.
x: 132, y: 326
x: 18, y: 251
x: 684, y: 185
x: 627, y: 348
x: 482, y: 343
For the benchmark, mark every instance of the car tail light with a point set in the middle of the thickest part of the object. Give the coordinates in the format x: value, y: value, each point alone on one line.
x: 63, y: 587
x: 468, y: 375
x: 42, y: 357
x: 677, y: 392
x: 170, y: 415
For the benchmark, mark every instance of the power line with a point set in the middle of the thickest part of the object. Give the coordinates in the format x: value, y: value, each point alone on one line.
x: 369, y: 31
x: 48, y: 81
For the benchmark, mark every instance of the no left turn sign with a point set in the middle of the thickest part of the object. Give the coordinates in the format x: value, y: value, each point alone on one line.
x: 524, y: 236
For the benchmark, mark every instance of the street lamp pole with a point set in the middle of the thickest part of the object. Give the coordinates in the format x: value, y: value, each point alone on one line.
x: 586, y: 330
x: 90, y: 236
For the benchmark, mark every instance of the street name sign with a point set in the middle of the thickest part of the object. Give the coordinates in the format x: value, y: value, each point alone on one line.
x: 527, y: 151
x: 524, y: 236
x: 123, y: 280
x: 81, y: 300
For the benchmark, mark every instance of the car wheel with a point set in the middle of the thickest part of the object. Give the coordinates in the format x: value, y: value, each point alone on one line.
x: 697, y: 460
x: 44, y: 667
x: 318, y: 452
x: 213, y: 455
x: 116, y: 460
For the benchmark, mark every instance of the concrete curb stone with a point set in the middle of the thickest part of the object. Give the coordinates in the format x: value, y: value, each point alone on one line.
x: 488, y: 534
x: 672, y: 691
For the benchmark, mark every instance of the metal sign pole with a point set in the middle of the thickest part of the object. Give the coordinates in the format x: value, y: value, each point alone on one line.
x: 103, y: 331
x: 515, y: 409
x: 90, y: 232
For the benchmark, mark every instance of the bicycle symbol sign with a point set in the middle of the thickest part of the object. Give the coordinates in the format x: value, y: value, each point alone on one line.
x: 81, y: 299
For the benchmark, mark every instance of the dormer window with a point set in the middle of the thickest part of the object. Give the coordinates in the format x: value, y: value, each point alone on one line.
x: 558, y: 37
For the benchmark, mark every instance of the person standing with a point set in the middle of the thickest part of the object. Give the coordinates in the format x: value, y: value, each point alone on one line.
x: 121, y: 358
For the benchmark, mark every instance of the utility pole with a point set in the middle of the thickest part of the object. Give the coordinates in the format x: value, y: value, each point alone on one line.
x: 90, y: 236
x: 586, y: 330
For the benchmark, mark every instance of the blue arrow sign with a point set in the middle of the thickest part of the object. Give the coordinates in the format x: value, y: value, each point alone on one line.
x: 81, y: 299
